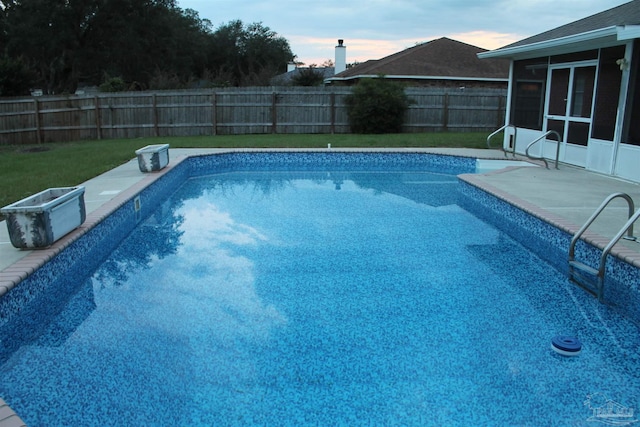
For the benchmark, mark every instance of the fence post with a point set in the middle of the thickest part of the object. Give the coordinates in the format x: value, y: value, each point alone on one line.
x: 214, y: 114
x: 155, y: 115
x: 98, y: 124
x: 333, y: 112
x: 37, y: 116
x: 445, y: 113
x: 274, y: 113
x: 500, y: 115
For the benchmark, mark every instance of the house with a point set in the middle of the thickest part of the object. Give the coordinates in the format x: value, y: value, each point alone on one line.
x: 580, y: 81
x: 442, y: 63
x: 293, y: 72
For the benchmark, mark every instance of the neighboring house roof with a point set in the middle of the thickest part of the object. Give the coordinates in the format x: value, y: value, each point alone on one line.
x: 287, y: 78
x: 600, y: 30
x: 438, y: 59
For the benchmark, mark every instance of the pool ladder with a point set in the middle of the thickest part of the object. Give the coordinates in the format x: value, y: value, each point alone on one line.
x: 590, y: 278
x: 512, y: 147
x: 540, y: 138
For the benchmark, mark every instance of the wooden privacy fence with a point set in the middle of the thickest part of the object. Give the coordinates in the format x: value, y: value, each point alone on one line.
x: 231, y: 111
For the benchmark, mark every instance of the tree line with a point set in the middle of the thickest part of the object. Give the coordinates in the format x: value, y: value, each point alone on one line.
x: 59, y: 45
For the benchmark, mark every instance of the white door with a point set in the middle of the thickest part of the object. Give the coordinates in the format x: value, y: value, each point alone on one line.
x: 570, y: 96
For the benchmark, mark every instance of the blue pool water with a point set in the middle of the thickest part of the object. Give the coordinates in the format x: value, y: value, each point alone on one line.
x: 330, y: 297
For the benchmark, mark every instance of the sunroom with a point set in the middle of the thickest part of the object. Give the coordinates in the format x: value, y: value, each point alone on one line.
x: 578, y: 84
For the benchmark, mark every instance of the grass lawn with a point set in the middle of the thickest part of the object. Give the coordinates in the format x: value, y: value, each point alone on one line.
x: 28, y: 169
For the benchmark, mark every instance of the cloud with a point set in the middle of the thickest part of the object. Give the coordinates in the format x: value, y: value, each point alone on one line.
x: 207, y: 288
x: 485, y: 39
x: 373, y: 29
x: 358, y: 50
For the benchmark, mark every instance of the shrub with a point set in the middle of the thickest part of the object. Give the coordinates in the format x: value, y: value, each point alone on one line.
x: 377, y: 105
x: 308, y: 77
x: 113, y: 84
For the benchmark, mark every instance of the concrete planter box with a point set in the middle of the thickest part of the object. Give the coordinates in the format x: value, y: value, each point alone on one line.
x: 39, y: 220
x: 153, y: 157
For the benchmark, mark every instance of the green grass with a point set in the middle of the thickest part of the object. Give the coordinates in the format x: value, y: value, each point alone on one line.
x: 28, y: 169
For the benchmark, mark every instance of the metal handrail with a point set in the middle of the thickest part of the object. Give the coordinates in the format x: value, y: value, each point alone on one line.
x: 627, y: 228
x: 515, y: 133
x: 595, y: 214
x: 546, y: 164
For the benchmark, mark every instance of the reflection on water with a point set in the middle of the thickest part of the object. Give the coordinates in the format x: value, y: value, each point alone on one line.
x: 431, y: 189
x: 194, y: 272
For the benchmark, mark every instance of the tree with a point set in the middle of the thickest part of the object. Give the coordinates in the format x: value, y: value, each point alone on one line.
x: 147, y: 43
x: 3, y: 25
x: 15, y: 77
x: 377, y: 105
x: 70, y: 41
x: 249, y: 55
x: 41, y: 32
x: 139, y: 39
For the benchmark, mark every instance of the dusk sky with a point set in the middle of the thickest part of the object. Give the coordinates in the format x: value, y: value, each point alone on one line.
x: 373, y: 29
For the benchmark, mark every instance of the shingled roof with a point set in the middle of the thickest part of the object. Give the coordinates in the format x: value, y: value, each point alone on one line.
x: 609, y: 28
x: 625, y: 14
x: 438, y: 58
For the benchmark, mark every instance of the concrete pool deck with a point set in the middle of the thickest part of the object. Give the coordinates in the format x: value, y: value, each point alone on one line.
x: 565, y: 197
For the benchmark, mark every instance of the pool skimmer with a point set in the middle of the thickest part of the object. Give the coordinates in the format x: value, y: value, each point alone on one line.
x: 137, y: 207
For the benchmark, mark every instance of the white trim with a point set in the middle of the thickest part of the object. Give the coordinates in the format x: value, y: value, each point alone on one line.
x: 629, y: 32
x: 567, y: 118
x: 410, y: 77
x: 627, y: 162
x: 622, y: 106
x: 507, y: 110
x: 605, y: 35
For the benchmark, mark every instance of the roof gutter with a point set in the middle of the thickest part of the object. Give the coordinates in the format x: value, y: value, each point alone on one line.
x: 603, y: 35
x: 370, y: 76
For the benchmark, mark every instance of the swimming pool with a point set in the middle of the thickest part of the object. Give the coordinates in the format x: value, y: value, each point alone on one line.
x: 334, y: 291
